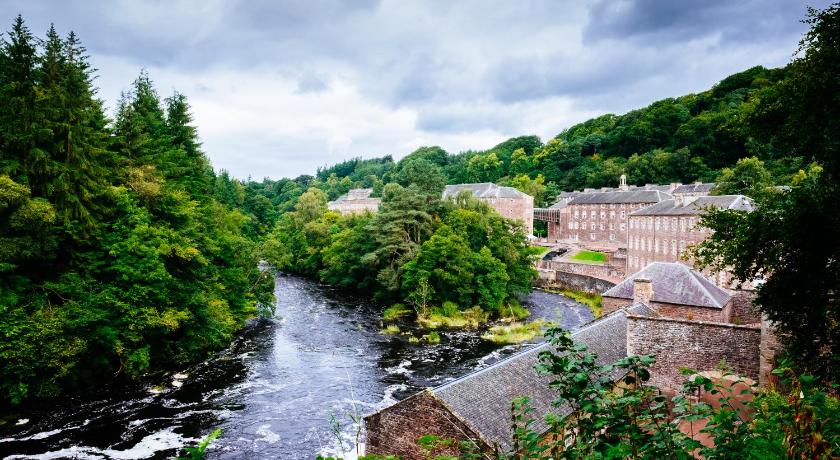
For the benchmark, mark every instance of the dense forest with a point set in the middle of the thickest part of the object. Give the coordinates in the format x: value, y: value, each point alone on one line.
x: 120, y: 253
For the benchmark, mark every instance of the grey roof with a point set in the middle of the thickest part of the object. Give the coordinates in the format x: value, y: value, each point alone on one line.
x: 698, y: 206
x: 695, y: 188
x: 484, y: 190
x: 482, y: 399
x: 674, y: 283
x: 629, y: 196
x: 356, y: 194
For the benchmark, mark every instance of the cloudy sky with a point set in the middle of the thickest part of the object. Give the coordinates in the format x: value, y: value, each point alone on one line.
x: 279, y: 88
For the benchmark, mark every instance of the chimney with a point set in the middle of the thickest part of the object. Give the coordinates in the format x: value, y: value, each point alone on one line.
x: 642, y: 291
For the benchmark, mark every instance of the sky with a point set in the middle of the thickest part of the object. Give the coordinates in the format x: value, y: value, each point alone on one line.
x: 279, y: 88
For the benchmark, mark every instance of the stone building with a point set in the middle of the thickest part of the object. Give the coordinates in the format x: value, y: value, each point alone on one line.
x: 476, y: 407
x: 662, y: 232
x: 600, y: 218
x: 357, y: 200
x: 507, y: 201
x: 672, y: 290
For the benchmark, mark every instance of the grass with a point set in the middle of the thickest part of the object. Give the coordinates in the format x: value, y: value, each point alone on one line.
x: 513, y: 312
x: 514, y: 332
x: 430, y: 338
x: 447, y: 317
x: 395, y: 311
x: 391, y: 329
x: 590, y: 299
x: 540, y: 250
x: 590, y: 256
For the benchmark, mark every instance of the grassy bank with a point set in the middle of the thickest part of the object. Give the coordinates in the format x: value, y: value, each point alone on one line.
x: 514, y: 332
x: 593, y: 257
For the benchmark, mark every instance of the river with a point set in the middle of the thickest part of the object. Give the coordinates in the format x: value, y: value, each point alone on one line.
x: 287, y: 388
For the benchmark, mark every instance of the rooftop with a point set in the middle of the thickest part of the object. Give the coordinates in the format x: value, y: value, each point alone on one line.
x: 673, y: 207
x: 356, y: 194
x: 482, y: 399
x: 674, y: 283
x: 698, y: 187
x: 629, y: 196
x: 484, y: 190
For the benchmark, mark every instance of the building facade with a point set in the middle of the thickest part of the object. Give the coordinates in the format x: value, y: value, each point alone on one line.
x: 662, y: 232
x: 601, y: 218
x: 357, y: 200
x: 507, y: 201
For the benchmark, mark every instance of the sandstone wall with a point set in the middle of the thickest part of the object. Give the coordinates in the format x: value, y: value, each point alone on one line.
x: 694, y: 344
x: 396, y: 429
x: 607, y: 272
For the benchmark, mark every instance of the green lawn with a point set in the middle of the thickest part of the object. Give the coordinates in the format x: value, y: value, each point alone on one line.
x: 590, y: 256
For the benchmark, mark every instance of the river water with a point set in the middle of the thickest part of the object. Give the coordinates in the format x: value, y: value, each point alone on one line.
x: 290, y: 388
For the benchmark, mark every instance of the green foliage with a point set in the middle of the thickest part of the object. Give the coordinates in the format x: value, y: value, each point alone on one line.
x: 395, y: 311
x: 623, y: 417
x: 748, y: 177
x: 197, y: 452
x: 116, y: 261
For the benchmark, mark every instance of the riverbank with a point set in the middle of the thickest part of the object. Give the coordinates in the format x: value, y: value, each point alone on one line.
x: 321, y: 356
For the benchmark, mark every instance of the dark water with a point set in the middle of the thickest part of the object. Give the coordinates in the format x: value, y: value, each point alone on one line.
x: 288, y: 388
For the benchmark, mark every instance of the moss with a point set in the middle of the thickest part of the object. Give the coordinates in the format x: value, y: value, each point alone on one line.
x: 514, y: 332
x: 413, y: 339
x: 395, y: 311
x: 390, y: 329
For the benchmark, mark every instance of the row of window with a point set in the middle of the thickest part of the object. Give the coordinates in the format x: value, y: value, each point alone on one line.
x: 640, y: 243
x: 601, y: 226
x: 603, y: 214
x: 665, y: 223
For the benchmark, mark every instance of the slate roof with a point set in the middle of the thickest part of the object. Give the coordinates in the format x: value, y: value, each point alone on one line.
x: 356, y: 194
x: 695, y: 207
x: 674, y: 283
x: 482, y: 399
x: 695, y: 188
x: 630, y: 196
x: 484, y: 190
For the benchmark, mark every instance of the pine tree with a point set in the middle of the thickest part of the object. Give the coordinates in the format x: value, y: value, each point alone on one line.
x: 18, y: 58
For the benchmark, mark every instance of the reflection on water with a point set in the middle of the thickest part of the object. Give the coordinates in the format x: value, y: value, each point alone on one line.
x: 275, y: 391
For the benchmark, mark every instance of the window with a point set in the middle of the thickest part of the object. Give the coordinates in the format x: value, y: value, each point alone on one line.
x: 623, y: 227
x: 591, y: 236
x: 570, y: 225
x: 592, y: 215
x: 682, y: 224
x: 576, y: 214
x: 603, y: 215
x: 583, y: 225
x: 612, y: 236
x: 612, y: 214
x: 657, y: 223
x: 612, y: 226
x: 682, y: 245
x: 656, y: 245
x: 601, y: 226
x: 623, y: 214
x: 673, y: 247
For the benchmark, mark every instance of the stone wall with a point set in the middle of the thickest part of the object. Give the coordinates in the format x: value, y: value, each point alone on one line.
x: 396, y: 429
x: 694, y: 344
x: 743, y: 310
x: 669, y: 310
x: 562, y: 280
x: 607, y: 272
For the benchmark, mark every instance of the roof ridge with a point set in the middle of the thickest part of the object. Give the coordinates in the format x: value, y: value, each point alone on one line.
x: 699, y: 283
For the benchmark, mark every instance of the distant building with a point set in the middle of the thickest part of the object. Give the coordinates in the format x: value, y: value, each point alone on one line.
x: 507, y: 201
x: 356, y: 200
x: 662, y: 232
